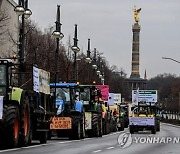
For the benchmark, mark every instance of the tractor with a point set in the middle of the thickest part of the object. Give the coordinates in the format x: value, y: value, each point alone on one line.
x: 144, y: 117
x: 69, y: 118
x: 91, y: 98
x: 24, y: 114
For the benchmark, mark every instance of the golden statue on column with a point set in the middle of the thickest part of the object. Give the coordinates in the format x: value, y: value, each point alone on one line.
x: 136, y: 14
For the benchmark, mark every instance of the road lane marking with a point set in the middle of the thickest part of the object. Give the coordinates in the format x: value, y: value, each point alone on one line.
x: 110, y: 148
x: 10, y: 150
x: 62, y: 142
x: 97, y: 151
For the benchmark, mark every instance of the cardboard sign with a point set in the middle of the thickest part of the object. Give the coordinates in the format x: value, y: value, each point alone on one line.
x: 61, y: 123
x: 88, y: 120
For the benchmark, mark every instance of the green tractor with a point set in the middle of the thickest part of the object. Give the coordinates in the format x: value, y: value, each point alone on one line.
x: 24, y: 114
x: 124, y: 111
x: 90, y: 96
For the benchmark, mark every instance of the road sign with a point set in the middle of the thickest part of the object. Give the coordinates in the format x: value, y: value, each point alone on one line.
x: 145, y: 95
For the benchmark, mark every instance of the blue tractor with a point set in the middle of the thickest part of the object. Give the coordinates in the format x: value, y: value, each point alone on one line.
x: 69, y: 118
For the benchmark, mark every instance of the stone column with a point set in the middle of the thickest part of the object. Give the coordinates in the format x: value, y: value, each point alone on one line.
x: 135, y: 51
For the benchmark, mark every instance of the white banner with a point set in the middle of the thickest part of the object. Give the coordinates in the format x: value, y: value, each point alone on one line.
x: 117, y: 98
x: 1, y: 107
x: 144, y: 96
x: 142, y: 121
x: 41, y: 80
x: 35, y: 79
x: 111, y: 99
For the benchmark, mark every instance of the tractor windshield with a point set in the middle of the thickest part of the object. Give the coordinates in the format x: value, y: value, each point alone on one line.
x: 3, y: 81
x: 145, y: 110
x: 85, y: 96
x: 63, y: 94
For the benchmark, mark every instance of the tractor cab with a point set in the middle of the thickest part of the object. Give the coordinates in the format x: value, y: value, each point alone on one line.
x: 90, y: 96
x: 66, y: 98
x: 5, y: 78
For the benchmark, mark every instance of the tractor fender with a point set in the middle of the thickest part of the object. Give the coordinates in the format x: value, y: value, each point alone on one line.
x: 79, y: 106
x: 16, y: 94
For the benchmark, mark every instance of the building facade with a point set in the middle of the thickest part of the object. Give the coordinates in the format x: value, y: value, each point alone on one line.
x: 9, y: 26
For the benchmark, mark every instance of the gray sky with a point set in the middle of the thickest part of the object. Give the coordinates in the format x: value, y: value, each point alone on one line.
x: 108, y: 23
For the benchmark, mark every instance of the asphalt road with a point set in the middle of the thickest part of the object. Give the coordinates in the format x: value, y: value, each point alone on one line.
x: 108, y: 144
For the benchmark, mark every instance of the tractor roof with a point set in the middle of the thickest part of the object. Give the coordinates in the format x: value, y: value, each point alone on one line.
x: 63, y: 85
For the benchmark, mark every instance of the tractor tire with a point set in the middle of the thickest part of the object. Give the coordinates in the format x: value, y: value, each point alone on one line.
x: 158, y: 126
x: 153, y: 130
x: 131, y: 129
x: 3, y: 129
x: 43, y: 137
x: 95, y: 125
x: 25, y: 121
x: 12, y: 125
x: 76, y: 128
x: 122, y: 126
x: 100, y: 127
x: 104, y: 126
x: 83, y: 131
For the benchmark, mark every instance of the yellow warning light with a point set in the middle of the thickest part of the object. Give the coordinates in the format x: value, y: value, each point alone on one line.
x: 14, y: 56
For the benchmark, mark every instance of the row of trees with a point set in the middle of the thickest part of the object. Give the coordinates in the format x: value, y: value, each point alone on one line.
x: 40, y: 50
x: 168, y: 87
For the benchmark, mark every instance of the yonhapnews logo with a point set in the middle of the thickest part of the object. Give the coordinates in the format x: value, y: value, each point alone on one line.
x: 126, y: 139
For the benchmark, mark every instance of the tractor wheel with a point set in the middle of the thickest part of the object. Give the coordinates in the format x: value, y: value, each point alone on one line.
x: 95, y: 125
x: 100, y: 127
x: 3, y: 129
x: 83, y: 134
x: 158, y: 126
x: 153, y: 130
x: 76, y: 132
x: 43, y: 137
x: 13, y: 125
x: 25, y: 121
x: 131, y: 129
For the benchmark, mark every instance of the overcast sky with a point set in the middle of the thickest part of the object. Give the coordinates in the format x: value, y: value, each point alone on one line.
x: 108, y: 23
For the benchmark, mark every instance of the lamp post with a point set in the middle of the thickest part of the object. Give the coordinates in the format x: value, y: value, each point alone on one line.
x: 94, y: 66
x: 88, y: 60
x: 171, y: 59
x: 75, y: 49
x: 22, y: 10
x: 58, y: 35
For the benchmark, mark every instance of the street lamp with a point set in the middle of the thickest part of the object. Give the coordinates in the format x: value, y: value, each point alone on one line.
x: 99, y: 65
x: 22, y: 10
x: 75, y: 49
x: 94, y: 66
x: 171, y: 59
x: 58, y: 35
x: 88, y: 59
